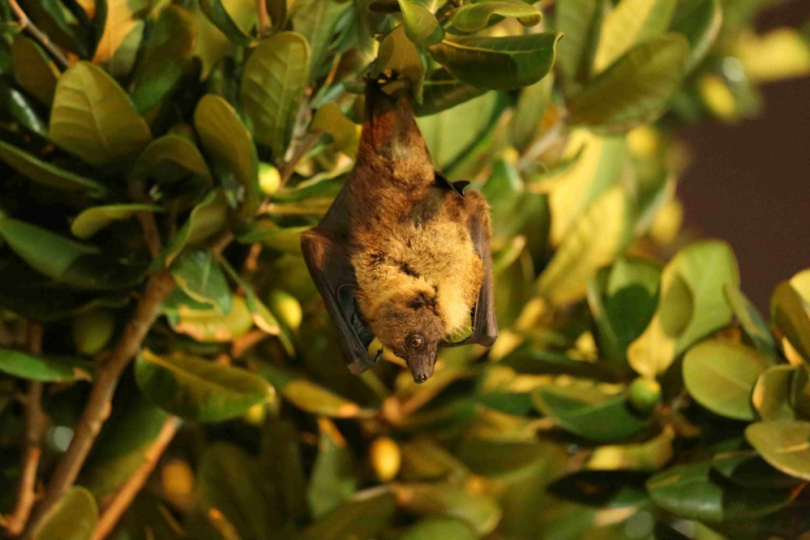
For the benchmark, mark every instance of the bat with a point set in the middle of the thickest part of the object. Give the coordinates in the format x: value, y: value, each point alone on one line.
x: 402, y: 254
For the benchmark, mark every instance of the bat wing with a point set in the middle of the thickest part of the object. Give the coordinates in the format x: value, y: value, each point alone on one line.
x: 485, y: 325
x: 331, y: 270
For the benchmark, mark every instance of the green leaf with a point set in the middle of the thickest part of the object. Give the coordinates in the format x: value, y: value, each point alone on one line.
x: 44, y: 173
x: 334, y: 475
x: 345, y: 134
x: 226, y: 140
x: 206, y: 219
x: 199, y: 274
x: 636, y: 88
x: 433, y: 528
x: 691, y: 305
x: 441, y: 91
x: 747, y: 469
x: 122, y: 444
x: 96, y: 218
x: 751, y: 321
x: 399, y: 58
x: 700, y: 21
x: 168, y: 48
x: 689, y: 491
x: 198, y: 389
x: 791, y: 318
x: 365, y: 515
x: 170, y: 158
x: 93, y: 117
x: 114, y: 22
x: 273, y: 85
x: 498, y: 63
x: 216, y: 13
x: 785, y: 444
x: 316, y: 21
x: 73, y: 518
x: 21, y: 108
x: 311, y: 397
x: 210, y: 325
x: 721, y: 375
x: 33, y: 69
x: 475, y: 17
x: 529, y: 112
x: 771, y: 395
x: 629, y: 24
x: 230, y: 481
x: 420, y: 24
x: 281, y: 460
x: 44, y: 368
x: 594, y: 240
x: 580, y: 21
x: 480, y: 512
x: 588, y: 412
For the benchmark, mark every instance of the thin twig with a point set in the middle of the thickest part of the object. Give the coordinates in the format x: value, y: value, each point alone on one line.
x: 124, y: 497
x: 98, y: 407
x: 264, y: 19
x: 39, y: 35
x: 35, y: 428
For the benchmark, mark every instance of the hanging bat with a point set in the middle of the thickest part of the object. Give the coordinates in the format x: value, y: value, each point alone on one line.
x: 402, y: 254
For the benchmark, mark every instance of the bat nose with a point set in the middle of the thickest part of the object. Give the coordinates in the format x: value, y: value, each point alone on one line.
x: 420, y: 378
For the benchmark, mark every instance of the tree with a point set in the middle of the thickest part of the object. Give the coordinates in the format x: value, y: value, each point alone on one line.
x: 167, y: 369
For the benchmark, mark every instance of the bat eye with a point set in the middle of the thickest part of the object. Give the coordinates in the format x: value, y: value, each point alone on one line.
x: 416, y: 342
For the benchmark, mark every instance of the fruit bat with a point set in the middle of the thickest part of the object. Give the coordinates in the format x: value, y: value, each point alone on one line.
x: 402, y: 254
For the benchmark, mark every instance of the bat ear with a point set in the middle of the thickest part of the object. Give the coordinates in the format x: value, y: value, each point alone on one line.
x: 389, y: 127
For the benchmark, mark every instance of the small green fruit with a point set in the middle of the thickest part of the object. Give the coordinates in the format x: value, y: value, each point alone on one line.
x: 644, y: 394
x: 93, y: 330
x: 286, y: 307
x: 269, y: 178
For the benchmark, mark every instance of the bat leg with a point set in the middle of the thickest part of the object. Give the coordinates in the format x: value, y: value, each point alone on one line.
x: 333, y: 274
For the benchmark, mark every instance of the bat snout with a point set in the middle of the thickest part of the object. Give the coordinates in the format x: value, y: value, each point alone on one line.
x: 421, y: 367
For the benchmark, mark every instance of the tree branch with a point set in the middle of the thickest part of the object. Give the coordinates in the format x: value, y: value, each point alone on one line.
x: 35, y: 428
x: 98, y: 407
x: 39, y: 35
x: 264, y: 19
x: 124, y: 497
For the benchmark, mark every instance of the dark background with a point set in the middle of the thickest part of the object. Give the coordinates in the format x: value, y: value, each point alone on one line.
x: 749, y: 183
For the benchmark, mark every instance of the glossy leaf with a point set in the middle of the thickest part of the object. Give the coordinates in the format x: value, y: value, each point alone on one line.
x: 22, y: 109
x: 170, y: 158
x: 791, y: 318
x: 168, y: 47
x: 275, y: 78
x: 721, y: 376
x: 230, y: 483
x: 120, y: 19
x: 44, y: 368
x: 33, y: 69
x: 311, y: 397
x: 690, y: 492
x: 44, y: 173
x: 589, y: 413
x: 700, y: 21
x: 226, y: 140
x: 785, y: 444
x: 421, y: 25
x: 475, y: 17
x: 198, y: 389
x: 316, y: 20
x: 771, y: 394
x: 334, y: 475
x: 635, y: 89
x: 216, y: 13
x: 580, y: 21
x: 628, y: 24
x: 93, y: 118
x: 751, y: 321
x: 691, y: 305
x: 73, y: 518
x: 96, y: 218
x: 209, y: 325
x: 441, y: 91
x: 199, y: 274
x: 594, y: 240
x: 479, y: 512
x: 206, y: 219
x: 498, y: 63
x: 747, y: 469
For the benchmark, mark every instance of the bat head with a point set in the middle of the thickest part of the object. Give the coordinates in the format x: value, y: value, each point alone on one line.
x: 408, y: 325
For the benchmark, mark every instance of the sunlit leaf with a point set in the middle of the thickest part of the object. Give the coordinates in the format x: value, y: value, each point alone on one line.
x: 73, y: 518
x: 93, y: 118
x: 199, y: 274
x: 747, y: 469
x: 752, y: 323
x: 398, y: 55
x: 477, y: 16
x: 96, y: 218
x: 209, y: 325
x: 785, y: 444
x: 311, y: 397
x: 273, y: 85
x: 421, y: 25
x: 121, y: 18
x: 44, y: 368
x: 480, y: 512
x: 791, y: 318
x: 700, y: 22
x: 219, y: 16
x: 771, y: 394
x: 198, y: 389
